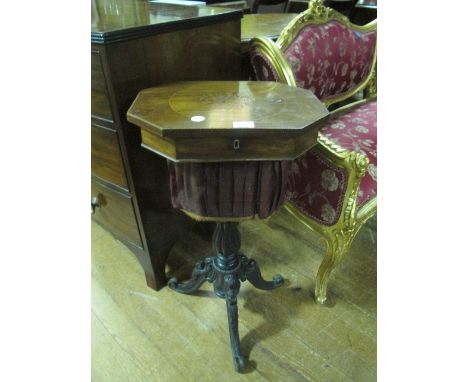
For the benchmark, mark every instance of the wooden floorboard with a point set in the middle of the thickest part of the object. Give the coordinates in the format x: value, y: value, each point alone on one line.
x: 142, y: 335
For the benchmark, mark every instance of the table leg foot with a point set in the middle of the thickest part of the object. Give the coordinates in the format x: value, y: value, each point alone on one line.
x: 202, y: 272
x: 253, y: 274
x: 232, y: 289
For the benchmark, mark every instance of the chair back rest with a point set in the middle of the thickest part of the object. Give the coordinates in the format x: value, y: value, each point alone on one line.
x: 327, y: 53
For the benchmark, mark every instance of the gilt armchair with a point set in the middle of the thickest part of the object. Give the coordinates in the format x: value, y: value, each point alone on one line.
x: 333, y: 186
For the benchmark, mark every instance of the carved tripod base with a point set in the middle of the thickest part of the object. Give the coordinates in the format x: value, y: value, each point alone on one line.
x: 226, y: 270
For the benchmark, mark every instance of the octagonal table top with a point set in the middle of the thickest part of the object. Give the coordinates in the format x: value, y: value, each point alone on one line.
x: 227, y: 120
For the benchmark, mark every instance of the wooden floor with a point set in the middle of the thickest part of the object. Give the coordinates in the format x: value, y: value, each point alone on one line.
x: 142, y: 335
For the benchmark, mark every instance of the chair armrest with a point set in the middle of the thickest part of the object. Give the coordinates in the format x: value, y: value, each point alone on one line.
x: 325, y: 184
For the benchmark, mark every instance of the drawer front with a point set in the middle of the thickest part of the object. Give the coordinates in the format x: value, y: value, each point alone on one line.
x: 106, y: 158
x: 115, y: 212
x: 100, y: 105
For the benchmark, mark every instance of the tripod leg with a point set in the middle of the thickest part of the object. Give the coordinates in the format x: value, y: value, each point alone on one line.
x: 254, y: 276
x: 202, y: 272
x: 232, y: 289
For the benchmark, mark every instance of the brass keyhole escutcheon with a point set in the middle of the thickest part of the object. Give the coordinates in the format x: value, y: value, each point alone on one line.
x: 236, y: 144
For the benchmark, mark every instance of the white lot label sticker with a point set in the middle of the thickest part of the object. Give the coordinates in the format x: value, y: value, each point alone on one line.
x: 248, y: 124
x: 197, y: 118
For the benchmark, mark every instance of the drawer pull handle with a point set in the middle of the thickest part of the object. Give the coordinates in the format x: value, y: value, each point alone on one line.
x: 94, y: 204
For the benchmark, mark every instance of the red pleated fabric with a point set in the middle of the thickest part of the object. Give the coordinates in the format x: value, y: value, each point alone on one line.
x: 229, y: 189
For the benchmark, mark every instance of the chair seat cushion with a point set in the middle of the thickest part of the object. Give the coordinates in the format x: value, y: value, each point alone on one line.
x: 317, y: 185
x: 356, y: 130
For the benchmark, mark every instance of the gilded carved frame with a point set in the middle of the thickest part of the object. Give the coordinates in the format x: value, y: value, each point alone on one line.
x: 340, y: 235
x: 318, y: 14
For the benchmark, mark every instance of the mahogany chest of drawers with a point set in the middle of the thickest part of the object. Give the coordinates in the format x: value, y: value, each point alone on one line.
x: 136, y: 45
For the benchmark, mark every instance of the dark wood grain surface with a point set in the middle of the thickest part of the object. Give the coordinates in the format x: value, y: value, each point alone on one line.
x: 201, y: 121
x: 100, y: 104
x: 106, y: 161
x: 363, y: 12
x: 119, y: 20
x: 264, y: 25
x: 115, y: 211
x: 260, y: 25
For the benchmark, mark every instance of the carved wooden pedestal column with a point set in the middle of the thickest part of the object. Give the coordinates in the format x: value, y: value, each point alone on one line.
x: 226, y: 270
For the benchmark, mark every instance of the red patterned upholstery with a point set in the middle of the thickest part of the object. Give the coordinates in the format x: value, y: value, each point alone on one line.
x: 317, y: 185
x: 330, y: 59
x: 229, y: 189
x: 356, y: 130
x: 263, y: 67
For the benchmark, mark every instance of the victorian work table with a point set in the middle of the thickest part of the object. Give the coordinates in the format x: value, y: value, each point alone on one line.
x: 229, y: 145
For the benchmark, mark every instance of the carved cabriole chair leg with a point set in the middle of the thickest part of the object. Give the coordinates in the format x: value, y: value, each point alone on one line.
x: 338, y: 245
x: 340, y: 236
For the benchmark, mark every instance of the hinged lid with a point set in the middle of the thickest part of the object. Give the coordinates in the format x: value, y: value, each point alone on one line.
x: 272, y: 120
